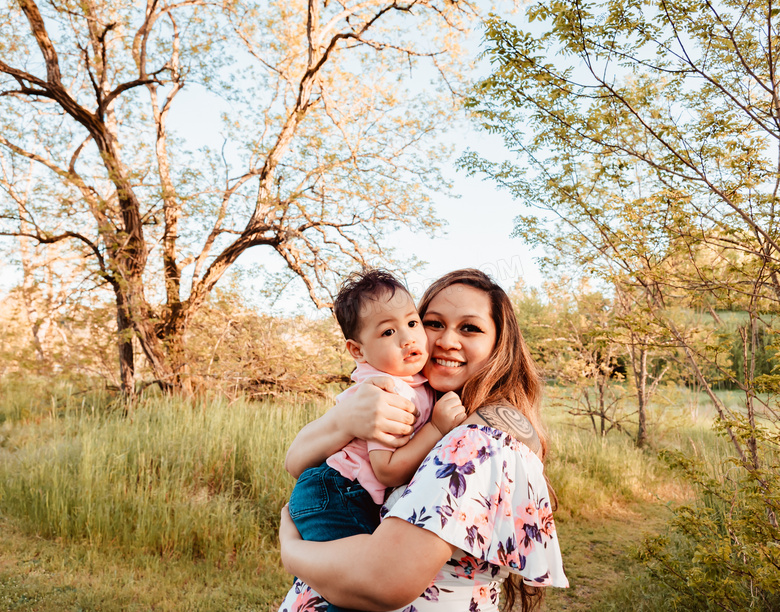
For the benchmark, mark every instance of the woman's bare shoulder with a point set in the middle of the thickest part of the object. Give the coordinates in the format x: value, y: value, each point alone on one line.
x: 510, y: 420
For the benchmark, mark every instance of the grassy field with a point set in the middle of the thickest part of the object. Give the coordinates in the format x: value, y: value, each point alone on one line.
x: 173, y: 505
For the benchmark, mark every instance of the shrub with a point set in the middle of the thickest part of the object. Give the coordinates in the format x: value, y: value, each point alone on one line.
x: 722, y: 552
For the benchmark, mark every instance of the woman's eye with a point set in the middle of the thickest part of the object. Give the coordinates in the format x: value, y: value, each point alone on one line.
x: 471, y: 328
x: 432, y: 324
x: 388, y: 332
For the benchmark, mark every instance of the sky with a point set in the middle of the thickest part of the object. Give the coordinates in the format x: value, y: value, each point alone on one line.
x: 479, y: 219
x: 479, y: 224
x: 477, y: 232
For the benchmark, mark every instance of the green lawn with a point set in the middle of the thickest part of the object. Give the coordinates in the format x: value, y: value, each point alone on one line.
x: 45, y: 575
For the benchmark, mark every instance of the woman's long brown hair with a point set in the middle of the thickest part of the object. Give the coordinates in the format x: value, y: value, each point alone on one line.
x: 510, y: 376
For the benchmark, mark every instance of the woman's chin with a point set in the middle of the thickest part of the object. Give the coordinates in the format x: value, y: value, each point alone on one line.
x: 443, y: 381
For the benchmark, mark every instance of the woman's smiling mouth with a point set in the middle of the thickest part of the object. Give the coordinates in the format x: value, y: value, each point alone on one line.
x: 448, y: 363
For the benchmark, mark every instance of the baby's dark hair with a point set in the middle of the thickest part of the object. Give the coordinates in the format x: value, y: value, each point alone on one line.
x: 355, y: 291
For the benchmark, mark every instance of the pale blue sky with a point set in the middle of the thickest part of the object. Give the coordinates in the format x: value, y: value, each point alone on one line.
x: 477, y: 234
x: 479, y: 222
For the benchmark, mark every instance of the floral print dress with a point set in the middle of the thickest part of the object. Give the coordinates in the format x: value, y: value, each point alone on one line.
x: 484, y: 492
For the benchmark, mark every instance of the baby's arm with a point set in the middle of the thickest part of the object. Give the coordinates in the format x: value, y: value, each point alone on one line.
x: 396, y: 468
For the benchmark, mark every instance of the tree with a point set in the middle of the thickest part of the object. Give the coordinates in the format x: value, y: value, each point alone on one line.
x: 54, y: 321
x: 327, y: 142
x: 239, y: 352
x: 645, y: 344
x: 594, y: 362
x: 652, y: 154
x: 648, y: 143
x: 587, y: 341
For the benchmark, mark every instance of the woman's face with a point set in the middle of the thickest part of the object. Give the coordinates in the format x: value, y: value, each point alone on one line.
x: 461, y: 336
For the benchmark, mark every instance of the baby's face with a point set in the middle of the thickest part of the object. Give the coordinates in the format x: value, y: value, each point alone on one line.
x: 391, y: 338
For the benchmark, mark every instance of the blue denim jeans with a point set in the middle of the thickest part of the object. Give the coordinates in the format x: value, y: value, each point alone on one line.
x: 326, y: 506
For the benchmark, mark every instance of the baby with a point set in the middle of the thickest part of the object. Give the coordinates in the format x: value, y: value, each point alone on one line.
x: 385, y: 336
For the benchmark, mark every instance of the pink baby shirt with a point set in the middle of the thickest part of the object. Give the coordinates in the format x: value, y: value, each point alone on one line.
x: 352, y: 461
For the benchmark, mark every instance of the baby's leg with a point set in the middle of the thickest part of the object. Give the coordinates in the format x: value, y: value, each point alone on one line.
x: 326, y: 506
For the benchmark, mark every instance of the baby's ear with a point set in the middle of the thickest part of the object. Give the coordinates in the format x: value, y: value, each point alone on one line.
x: 356, y: 350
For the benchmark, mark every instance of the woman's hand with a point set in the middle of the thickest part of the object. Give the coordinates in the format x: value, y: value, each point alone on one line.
x: 377, y: 414
x: 288, y: 533
x: 371, y: 412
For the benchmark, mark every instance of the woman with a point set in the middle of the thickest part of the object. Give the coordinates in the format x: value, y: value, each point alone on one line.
x: 477, y: 513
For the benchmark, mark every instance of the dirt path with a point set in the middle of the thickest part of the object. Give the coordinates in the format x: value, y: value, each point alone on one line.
x: 597, y: 554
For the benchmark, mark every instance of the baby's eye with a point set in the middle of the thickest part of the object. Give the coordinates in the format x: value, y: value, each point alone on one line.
x: 388, y: 332
x: 414, y: 323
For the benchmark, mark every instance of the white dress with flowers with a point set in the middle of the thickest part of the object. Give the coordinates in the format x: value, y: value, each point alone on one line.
x: 482, y: 491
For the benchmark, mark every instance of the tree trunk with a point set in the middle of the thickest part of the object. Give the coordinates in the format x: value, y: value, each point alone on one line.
x: 176, y: 357
x: 602, y: 387
x: 124, y: 333
x: 640, y: 379
x: 162, y: 340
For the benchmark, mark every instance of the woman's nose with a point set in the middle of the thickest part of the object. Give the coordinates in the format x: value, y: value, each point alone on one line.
x: 448, y: 339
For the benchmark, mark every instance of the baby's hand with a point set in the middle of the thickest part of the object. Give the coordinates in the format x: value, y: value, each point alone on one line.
x: 448, y: 412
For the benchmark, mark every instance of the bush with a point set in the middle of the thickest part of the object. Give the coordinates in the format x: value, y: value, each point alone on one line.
x: 722, y: 552
x: 232, y: 348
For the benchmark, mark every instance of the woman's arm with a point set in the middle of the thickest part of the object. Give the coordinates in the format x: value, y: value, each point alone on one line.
x: 382, y: 571
x: 372, y: 412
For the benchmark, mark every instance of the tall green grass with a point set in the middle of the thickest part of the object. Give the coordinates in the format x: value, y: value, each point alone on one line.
x: 718, y: 549
x: 35, y: 398
x: 594, y: 475
x: 181, y: 480
x: 171, y: 478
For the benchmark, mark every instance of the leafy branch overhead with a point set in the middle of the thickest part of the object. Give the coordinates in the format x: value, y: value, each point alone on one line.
x: 646, y: 153
x: 326, y: 141
x: 648, y: 157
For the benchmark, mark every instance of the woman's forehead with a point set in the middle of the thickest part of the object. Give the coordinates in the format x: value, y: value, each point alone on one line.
x: 463, y: 300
